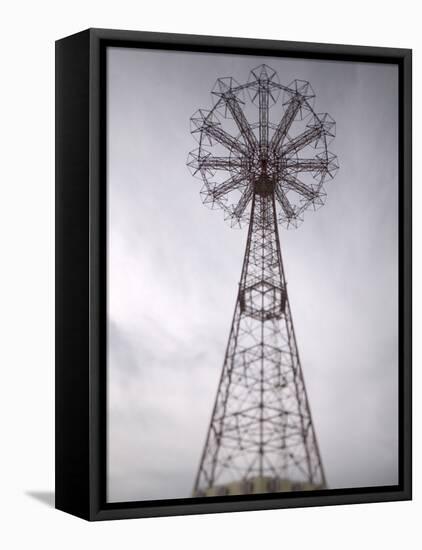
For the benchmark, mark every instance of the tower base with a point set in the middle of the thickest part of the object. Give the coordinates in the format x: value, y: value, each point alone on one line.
x: 257, y: 485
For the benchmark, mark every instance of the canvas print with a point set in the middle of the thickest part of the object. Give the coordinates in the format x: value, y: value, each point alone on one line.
x: 252, y: 275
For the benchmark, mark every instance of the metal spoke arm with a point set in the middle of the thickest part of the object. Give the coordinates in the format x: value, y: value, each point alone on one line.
x: 285, y: 124
x: 293, y: 184
x: 218, y: 163
x: 223, y: 138
x: 263, y: 120
x: 307, y: 165
x: 284, y: 201
x: 243, y: 202
x: 229, y: 185
x: 241, y: 121
x: 302, y: 140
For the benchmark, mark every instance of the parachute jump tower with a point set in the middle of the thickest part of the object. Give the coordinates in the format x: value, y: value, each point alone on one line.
x: 261, y: 437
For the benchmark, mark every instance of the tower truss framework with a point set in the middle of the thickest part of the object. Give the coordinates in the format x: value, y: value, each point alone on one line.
x: 261, y: 436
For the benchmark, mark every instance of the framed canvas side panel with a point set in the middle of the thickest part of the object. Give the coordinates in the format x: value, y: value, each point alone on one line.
x: 405, y: 267
x: 72, y: 275
x: 81, y: 264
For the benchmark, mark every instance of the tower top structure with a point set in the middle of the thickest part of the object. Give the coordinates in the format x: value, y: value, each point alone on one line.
x: 241, y: 152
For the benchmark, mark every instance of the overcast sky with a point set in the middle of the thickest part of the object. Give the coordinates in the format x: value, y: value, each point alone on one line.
x: 174, y: 266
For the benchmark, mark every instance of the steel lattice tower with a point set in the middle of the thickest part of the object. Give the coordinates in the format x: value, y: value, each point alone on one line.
x: 261, y: 437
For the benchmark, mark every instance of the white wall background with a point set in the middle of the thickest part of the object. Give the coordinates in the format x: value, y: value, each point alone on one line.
x: 27, y: 274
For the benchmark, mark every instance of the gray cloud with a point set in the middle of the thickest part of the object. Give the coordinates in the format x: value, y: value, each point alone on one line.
x: 174, y: 268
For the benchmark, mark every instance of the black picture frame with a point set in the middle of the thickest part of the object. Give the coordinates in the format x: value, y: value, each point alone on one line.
x: 81, y: 273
